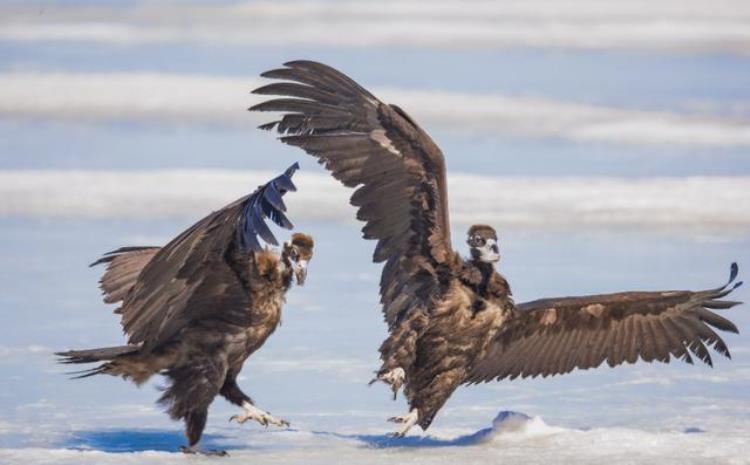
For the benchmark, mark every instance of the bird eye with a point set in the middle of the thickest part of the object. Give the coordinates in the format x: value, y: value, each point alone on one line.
x: 479, y: 240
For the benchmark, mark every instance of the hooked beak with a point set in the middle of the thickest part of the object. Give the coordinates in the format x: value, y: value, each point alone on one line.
x: 300, y: 272
x: 491, y: 252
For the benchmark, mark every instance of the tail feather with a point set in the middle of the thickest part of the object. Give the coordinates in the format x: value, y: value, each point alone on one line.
x: 95, y: 355
x: 127, y: 362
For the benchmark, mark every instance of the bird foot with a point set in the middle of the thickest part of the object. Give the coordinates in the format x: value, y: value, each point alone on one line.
x: 406, y: 422
x: 252, y: 412
x: 194, y: 450
x: 394, y: 378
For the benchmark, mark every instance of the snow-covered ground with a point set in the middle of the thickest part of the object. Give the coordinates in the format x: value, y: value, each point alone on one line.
x: 512, y: 438
x: 703, y: 202
x: 314, y: 370
x: 607, y: 142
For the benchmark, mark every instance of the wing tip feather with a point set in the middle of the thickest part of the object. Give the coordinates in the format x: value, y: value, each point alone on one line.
x: 734, y: 270
x: 265, y: 203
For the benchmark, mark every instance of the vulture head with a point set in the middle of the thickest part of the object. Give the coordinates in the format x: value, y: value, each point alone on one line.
x: 297, y: 253
x: 482, y: 241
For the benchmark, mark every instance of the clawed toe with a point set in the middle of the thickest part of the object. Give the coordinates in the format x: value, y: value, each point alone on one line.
x: 406, y: 421
x: 264, y: 418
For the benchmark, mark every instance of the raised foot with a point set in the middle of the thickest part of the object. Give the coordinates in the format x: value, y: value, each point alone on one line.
x: 251, y: 412
x: 406, y: 422
x: 208, y: 453
x: 394, y: 378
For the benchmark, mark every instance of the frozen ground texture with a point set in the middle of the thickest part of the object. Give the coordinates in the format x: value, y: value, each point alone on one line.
x: 513, y: 438
x: 606, y: 141
x: 314, y: 370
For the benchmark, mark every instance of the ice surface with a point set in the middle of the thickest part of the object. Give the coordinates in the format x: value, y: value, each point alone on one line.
x: 687, y: 25
x: 221, y: 100
x: 607, y: 142
x: 714, y: 203
x: 514, y: 438
x: 315, y: 368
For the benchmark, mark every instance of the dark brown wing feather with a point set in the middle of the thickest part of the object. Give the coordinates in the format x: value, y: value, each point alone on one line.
x: 398, y: 169
x: 198, y: 275
x: 183, y: 271
x: 554, y: 336
x: 123, y: 267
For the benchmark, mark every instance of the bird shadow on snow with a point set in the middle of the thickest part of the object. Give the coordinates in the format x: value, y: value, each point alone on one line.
x: 504, y: 420
x: 170, y: 441
x: 386, y: 440
x: 141, y: 440
x: 120, y: 441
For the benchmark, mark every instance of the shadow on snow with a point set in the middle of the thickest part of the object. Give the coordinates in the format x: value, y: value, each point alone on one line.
x: 141, y: 440
x: 170, y: 441
x: 386, y: 440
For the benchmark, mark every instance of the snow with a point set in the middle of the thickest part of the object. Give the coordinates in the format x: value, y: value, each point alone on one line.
x: 513, y: 438
x: 221, y: 100
x: 314, y: 370
x: 573, y: 202
x: 606, y: 141
x: 665, y: 25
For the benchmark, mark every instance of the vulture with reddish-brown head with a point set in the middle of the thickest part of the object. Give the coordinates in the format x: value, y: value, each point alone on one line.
x: 197, y: 308
x: 451, y: 320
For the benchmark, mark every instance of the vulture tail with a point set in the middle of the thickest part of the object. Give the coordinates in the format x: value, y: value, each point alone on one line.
x: 95, y: 355
x: 119, y: 361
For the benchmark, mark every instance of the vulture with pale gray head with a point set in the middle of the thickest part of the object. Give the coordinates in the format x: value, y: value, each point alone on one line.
x: 197, y: 308
x: 452, y: 321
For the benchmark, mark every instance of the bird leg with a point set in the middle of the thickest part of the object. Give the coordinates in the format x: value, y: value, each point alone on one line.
x: 394, y: 378
x: 406, y: 422
x: 251, y: 412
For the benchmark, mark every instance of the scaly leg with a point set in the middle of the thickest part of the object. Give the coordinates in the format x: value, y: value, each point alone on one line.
x: 251, y: 412
x: 406, y: 422
x: 232, y: 392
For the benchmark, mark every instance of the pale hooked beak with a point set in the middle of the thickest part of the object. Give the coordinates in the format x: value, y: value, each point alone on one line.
x: 490, y: 252
x: 300, y: 272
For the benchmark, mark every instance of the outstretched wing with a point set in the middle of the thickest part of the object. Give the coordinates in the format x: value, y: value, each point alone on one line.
x: 554, y: 336
x: 398, y: 169
x: 190, y: 277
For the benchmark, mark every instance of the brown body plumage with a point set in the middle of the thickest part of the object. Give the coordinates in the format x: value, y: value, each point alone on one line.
x: 453, y: 321
x: 197, y: 308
